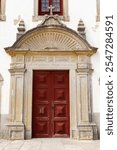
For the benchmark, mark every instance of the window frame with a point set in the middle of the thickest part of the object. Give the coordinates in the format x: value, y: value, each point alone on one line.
x: 64, y: 16
x: 54, y: 12
x: 2, y: 10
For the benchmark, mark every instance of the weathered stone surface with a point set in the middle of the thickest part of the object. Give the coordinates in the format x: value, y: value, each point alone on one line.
x: 49, y: 144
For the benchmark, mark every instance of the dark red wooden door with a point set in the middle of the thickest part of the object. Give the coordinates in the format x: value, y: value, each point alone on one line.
x: 50, y: 115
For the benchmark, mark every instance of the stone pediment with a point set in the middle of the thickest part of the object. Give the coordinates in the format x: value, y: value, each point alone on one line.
x: 51, y: 35
x: 51, y: 20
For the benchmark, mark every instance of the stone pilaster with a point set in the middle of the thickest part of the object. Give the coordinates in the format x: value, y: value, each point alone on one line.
x: 15, y: 124
x: 86, y: 129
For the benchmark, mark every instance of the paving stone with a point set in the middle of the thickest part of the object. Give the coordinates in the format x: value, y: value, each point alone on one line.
x: 72, y: 147
x: 31, y: 145
x: 49, y: 144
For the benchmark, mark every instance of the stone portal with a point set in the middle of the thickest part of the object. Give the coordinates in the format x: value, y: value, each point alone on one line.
x: 51, y: 46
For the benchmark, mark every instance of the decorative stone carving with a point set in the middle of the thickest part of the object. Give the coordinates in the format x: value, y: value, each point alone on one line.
x: 81, y: 28
x: 21, y: 29
x: 62, y: 59
x: 51, y: 20
x: 39, y: 59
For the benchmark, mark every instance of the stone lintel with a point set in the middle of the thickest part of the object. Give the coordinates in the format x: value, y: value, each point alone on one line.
x: 16, y: 130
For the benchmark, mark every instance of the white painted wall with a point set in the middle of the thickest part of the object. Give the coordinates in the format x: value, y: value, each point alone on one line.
x: 77, y: 9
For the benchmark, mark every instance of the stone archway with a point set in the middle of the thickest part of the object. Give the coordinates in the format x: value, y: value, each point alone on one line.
x: 51, y: 46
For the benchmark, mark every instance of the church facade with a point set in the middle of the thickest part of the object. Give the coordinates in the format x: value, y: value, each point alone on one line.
x: 50, y: 72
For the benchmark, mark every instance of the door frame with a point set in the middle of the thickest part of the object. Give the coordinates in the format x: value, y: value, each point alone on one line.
x: 72, y: 96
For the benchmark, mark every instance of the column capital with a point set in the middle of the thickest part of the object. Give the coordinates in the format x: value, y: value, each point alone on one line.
x: 17, y: 68
x: 84, y: 68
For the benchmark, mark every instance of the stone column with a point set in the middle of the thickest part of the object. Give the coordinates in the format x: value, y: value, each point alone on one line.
x: 15, y: 124
x: 86, y: 129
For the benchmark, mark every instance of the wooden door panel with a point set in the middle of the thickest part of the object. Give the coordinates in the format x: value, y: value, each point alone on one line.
x: 61, y: 104
x: 50, y: 104
x: 60, y: 110
x: 41, y: 110
x: 41, y: 128
x: 41, y: 104
x: 60, y: 129
x: 59, y: 94
x: 60, y: 79
x: 42, y: 95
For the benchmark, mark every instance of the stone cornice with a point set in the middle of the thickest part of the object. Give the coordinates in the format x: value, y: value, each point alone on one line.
x: 14, y: 52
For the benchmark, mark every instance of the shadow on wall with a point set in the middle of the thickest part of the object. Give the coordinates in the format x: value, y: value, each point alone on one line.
x: 3, y: 128
x: 96, y: 119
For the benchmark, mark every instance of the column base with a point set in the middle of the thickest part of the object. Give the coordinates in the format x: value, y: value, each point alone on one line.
x: 16, y: 130
x: 87, y: 131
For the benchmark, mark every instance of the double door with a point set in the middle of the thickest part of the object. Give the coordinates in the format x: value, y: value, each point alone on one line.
x: 50, y: 110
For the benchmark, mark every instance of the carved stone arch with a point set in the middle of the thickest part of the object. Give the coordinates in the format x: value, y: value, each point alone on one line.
x: 52, y: 38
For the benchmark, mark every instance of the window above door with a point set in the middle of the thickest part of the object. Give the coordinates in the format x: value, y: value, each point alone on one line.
x: 42, y: 7
x: 45, y: 4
